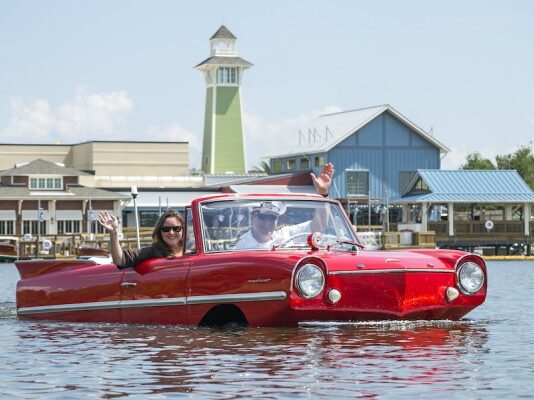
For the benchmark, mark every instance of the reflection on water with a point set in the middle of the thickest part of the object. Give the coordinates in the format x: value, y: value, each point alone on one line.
x: 369, y: 360
x: 357, y: 360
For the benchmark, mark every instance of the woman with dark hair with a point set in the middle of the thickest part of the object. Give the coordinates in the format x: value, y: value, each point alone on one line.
x: 168, y: 237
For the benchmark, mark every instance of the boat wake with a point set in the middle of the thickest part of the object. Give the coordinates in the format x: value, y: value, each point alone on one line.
x: 385, y: 325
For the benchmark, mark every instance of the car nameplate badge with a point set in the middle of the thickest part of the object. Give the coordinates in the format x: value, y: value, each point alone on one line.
x: 259, y: 280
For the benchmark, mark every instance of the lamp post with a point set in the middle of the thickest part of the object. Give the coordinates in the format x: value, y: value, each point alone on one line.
x: 369, y: 209
x: 39, y: 220
x: 90, y: 220
x: 387, y: 211
x: 134, y: 196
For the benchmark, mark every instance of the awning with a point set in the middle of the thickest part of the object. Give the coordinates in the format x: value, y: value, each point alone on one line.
x: 33, y: 215
x: 8, y: 215
x: 93, y: 214
x: 69, y: 215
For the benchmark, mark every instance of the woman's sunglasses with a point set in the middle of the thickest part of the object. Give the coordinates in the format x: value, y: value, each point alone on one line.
x: 167, y: 229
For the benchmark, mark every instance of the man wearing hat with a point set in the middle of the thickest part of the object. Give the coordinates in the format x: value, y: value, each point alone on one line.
x: 263, y: 233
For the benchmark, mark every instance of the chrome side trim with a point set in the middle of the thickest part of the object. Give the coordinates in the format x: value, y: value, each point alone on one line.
x: 391, y: 271
x: 100, y: 305
x: 169, y: 301
x: 229, y: 298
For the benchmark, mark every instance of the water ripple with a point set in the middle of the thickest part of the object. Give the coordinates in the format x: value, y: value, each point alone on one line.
x: 481, y: 357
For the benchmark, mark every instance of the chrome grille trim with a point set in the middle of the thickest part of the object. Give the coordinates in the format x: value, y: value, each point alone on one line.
x: 392, y: 271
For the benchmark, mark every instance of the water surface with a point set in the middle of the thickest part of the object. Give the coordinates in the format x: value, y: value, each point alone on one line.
x: 488, y: 355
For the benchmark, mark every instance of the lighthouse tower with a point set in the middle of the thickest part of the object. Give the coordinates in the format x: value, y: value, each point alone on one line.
x: 223, y: 149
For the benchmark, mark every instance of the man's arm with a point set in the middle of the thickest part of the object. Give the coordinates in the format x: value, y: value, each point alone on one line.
x: 322, y: 185
x: 324, y: 180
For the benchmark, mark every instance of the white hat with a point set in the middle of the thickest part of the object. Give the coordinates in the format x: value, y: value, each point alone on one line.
x: 275, y: 208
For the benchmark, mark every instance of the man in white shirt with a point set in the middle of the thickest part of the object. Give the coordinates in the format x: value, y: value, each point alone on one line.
x: 263, y: 233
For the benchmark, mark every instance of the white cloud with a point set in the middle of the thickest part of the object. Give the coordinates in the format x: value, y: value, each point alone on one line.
x: 88, y: 116
x: 31, y: 120
x: 264, y: 137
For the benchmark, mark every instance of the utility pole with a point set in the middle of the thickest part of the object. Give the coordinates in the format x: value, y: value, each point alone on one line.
x: 134, y: 196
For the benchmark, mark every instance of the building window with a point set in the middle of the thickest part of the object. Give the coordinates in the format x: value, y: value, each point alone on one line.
x: 405, y: 177
x: 420, y: 186
x: 68, y: 226
x: 277, y: 166
x: 7, y: 228
x: 206, y: 161
x: 46, y: 183
x: 357, y: 183
x: 227, y: 75
x: 291, y: 165
x: 33, y: 228
x: 319, y: 161
x: 304, y: 163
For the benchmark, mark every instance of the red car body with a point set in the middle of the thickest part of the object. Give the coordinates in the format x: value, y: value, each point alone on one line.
x: 213, y: 285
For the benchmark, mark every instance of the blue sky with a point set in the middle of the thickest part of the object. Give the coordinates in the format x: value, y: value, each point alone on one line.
x: 122, y: 70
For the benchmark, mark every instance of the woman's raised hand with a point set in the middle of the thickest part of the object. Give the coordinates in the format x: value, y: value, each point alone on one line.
x: 108, y: 221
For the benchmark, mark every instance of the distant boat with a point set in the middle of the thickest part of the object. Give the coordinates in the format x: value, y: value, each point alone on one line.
x: 99, y: 256
x: 8, y: 249
x: 92, y: 252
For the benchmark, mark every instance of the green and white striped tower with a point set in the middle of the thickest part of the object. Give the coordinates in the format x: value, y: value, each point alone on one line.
x: 223, y: 149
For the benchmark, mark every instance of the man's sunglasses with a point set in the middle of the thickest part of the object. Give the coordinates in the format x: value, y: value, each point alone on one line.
x: 176, y: 229
x: 267, y: 217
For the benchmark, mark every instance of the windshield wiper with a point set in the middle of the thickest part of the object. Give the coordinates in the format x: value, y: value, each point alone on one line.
x: 355, y: 245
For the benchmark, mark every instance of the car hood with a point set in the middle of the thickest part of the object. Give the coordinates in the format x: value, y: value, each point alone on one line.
x: 434, y: 260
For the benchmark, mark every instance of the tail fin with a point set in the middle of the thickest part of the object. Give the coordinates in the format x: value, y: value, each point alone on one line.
x: 29, y: 269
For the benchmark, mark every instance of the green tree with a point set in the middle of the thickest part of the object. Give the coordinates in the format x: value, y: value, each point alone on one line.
x: 522, y: 161
x: 263, y: 167
x: 476, y: 161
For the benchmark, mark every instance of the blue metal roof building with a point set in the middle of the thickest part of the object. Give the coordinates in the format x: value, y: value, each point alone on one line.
x: 376, y: 151
x: 466, y: 186
x: 481, y: 187
x: 382, y: 158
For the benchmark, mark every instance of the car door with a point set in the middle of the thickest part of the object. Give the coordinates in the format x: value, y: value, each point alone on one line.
x: 155, y: 291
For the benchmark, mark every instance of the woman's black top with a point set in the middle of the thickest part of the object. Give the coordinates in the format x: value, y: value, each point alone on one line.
x: 130, y: 258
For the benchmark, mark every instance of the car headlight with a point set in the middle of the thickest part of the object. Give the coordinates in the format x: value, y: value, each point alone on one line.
x: 309, y: 281
x: 470, y: 278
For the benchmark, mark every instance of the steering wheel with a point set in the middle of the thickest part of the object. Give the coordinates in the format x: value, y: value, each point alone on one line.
x: 289, y: 240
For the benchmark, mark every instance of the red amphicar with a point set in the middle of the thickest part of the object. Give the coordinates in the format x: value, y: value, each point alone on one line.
x: 260, y: 260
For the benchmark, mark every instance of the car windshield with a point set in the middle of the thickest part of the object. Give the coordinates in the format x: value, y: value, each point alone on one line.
x: 267, y: 224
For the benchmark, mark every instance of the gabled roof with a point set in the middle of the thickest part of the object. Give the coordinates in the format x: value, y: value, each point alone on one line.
x: 331, y: 129
x: 41, y: 167
x: 468, y: 186
x: 223, y: 33
x: 225, y: 61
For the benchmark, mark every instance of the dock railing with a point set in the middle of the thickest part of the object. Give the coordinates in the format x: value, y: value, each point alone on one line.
x: 476, y: 231
x: 69, y: 245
